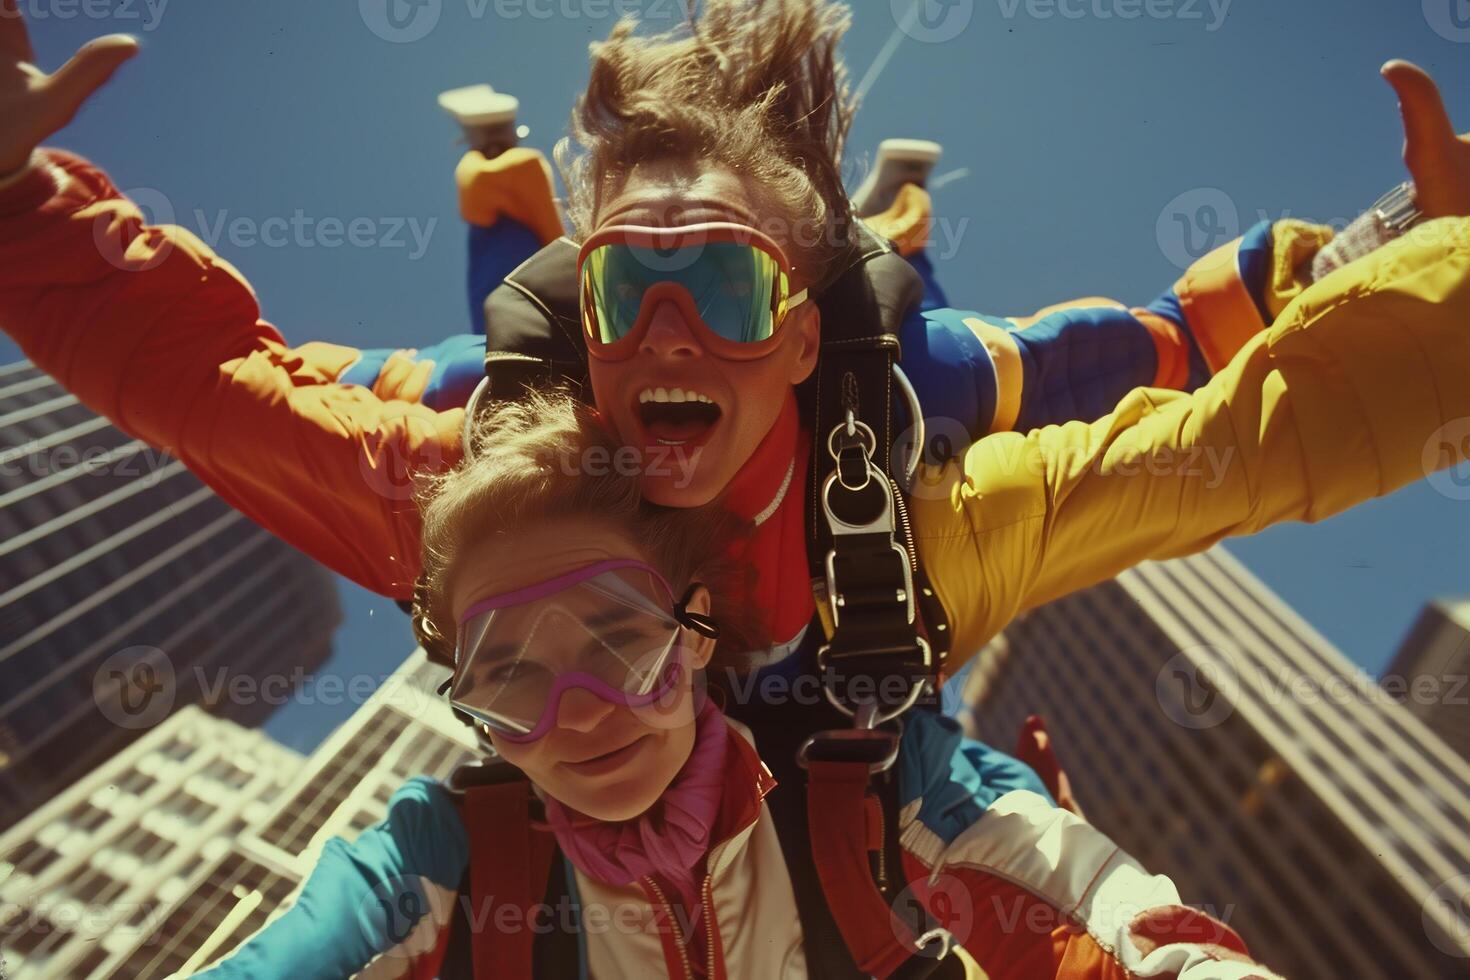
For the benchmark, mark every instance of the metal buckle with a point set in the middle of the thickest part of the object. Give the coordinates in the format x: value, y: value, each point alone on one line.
x: 883, y: 523
x: 905, y: 595
x: 916, y: 691
x: 942, y: 936
x: 864, y: 730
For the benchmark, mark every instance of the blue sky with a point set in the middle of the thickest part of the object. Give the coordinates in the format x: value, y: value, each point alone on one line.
x: 1074, y: 131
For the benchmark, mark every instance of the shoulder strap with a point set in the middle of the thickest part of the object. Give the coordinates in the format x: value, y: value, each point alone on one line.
x: 533, y: 332
x: 510, y: 868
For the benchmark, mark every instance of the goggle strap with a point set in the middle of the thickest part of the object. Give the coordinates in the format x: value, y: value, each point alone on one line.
x: 796, y: 299
x: 698, y: 622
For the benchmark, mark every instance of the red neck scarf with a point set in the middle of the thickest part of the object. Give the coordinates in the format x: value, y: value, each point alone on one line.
x: 770, y: 489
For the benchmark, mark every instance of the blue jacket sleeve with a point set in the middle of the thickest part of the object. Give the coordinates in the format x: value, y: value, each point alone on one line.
x: 364, y: 898
x: 976, y: 374
x: 495, y: 252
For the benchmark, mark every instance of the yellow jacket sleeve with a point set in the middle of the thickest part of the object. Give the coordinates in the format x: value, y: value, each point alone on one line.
x: 1355, y: 390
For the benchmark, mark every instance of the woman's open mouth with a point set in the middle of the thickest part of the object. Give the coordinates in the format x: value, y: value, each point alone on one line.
x: 677, y: 416
x: 601, y: 765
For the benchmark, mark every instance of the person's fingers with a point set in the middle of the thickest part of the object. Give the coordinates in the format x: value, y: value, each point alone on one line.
x: 13, y: 37
x: 86, y: 72
x: 1427, y: 128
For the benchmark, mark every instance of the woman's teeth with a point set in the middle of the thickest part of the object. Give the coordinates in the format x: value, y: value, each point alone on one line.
x: 672, y: 395
x: 674, y: 416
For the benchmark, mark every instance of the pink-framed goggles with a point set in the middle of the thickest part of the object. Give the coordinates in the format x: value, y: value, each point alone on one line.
x: 611, y: 628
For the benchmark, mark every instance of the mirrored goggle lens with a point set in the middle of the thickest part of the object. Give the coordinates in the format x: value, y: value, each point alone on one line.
x: 613, y: 633
x: 738, y: 290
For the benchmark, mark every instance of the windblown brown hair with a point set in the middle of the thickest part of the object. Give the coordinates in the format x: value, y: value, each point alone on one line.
x: 754, y: 85
x: 545, y: 458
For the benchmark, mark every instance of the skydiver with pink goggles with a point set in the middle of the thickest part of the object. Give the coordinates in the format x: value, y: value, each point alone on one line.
x: 610, y: 628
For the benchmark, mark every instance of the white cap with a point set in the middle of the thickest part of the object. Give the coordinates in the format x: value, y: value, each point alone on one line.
x: 479, y: 105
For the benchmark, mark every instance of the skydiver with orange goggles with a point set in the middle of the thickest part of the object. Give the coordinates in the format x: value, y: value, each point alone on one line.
x: 732, y: 281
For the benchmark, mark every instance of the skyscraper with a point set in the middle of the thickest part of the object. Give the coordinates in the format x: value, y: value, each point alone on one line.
x: 127, y: 589
x: 169, y: 854
x: 88, y: 879
x: 1219, y: 738
x: 1430, y: 674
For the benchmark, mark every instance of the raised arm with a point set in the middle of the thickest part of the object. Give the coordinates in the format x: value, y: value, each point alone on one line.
x: 1351, y: 393
x: 148, y: 327
x: 1076, y: 360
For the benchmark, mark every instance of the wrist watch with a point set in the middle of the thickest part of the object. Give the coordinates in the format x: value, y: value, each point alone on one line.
x: 1398, y: 210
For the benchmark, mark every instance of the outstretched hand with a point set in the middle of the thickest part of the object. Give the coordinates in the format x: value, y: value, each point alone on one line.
x: 33, y: 104
x: 1437, y: 158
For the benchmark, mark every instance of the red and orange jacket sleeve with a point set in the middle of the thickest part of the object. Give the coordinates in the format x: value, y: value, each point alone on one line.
x: 148, y: 327
x: 1031, y: 891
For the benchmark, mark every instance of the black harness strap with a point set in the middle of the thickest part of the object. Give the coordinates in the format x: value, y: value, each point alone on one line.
x: 533, y: 331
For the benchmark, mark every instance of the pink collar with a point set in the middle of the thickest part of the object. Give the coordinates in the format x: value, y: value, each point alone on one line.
x: 671, y: 838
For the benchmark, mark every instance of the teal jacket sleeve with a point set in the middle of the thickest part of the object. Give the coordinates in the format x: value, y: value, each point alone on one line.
x: 366, y: 898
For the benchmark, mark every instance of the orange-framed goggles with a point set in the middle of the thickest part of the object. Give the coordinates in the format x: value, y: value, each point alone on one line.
x: 730, y: 280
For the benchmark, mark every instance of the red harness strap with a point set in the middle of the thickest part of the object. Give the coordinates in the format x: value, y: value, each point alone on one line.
x: 839, y: 821
x: 509, y: 865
